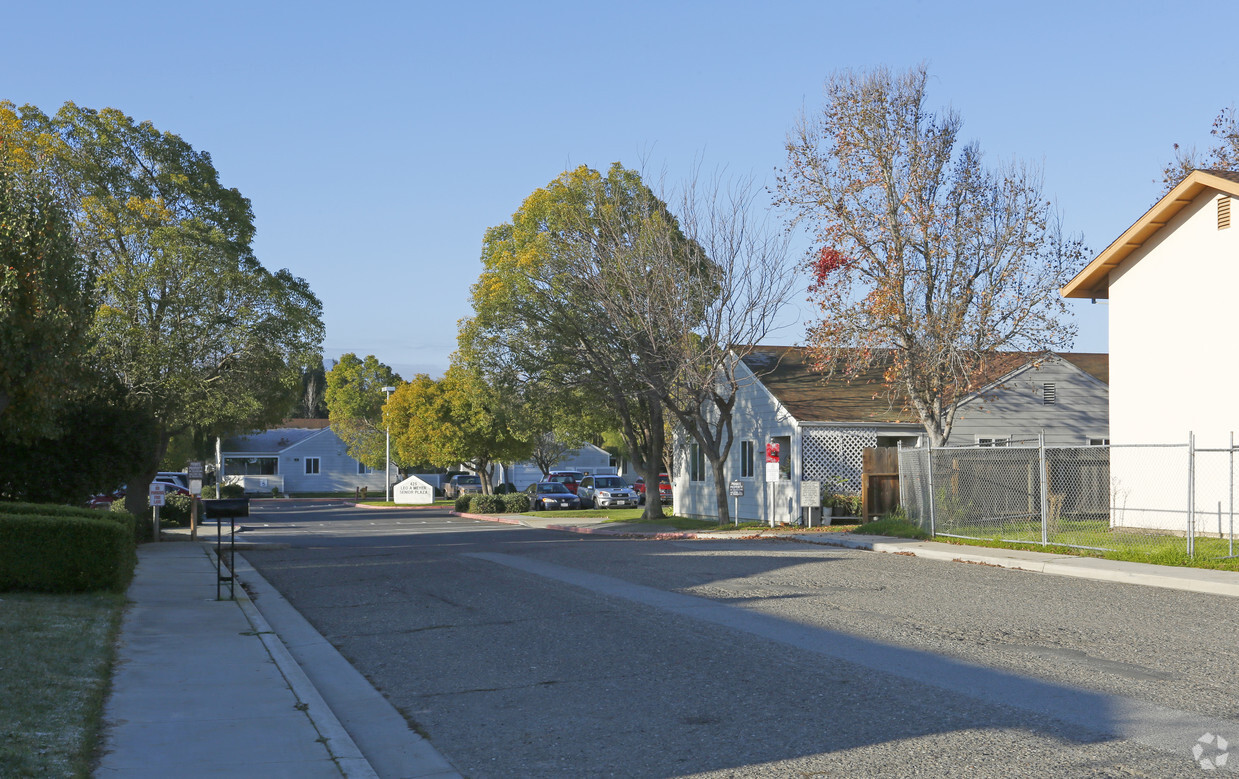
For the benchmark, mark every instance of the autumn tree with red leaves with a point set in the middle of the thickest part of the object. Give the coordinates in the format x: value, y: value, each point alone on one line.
x: 928, y: 262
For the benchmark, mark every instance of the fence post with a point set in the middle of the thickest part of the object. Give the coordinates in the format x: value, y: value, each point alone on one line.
x: 1044, y: 477
x: 1191, y: 494
x: 929, y: 454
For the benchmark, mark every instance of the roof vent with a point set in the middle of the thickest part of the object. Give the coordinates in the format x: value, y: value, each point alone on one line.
x: 1049, y: 395
x: 1223, y: 212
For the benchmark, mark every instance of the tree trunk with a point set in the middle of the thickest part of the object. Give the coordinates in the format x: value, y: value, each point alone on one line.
x: 717, y: 465
x: 653, y: 462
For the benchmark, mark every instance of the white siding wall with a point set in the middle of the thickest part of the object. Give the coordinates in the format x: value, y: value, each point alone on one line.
x: 337, y: 471
x: 757, y: 417
x: 1172, y: 333
x: 1172, y: 367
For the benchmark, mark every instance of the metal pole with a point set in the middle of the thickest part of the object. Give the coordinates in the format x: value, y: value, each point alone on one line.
x: 1044, y: 478
x: 387, y: 467
x: 1191, y: 494
x: 1231, y: 455
x: 930, y: 459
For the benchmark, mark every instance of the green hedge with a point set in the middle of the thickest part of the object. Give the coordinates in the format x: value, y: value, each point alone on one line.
x: 143, y: 530
x: 65, y: 553
x: 462, y: 503
x: 516, y: 503
x: 486, y: 504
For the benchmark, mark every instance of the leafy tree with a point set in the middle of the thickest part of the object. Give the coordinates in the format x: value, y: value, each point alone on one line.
x: 690, y: 297
x: 930, y: 263
x: 45, y: 306
x: 355, y: 401
x: 536, y: 317
x: 1222, y: 155
x: 459, y: 419
x: 313, y: 402
x: 197, y: 332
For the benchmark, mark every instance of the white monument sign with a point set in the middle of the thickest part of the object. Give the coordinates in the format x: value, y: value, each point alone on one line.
x: 413, y: 490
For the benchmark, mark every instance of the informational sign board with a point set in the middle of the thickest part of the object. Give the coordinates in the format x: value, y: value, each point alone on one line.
x: 413, y: 490
x: 157, y: 493
x: 811, y: 494
x: 735, y: 488
x: 772, y: 471
x: 196, y: 470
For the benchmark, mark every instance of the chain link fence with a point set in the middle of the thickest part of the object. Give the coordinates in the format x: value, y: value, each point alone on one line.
x: 1170, y: 500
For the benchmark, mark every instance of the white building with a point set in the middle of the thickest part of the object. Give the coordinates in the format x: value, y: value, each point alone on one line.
x: 1171, y: 281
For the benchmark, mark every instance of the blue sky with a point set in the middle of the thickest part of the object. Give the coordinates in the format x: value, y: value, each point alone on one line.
x: 378, y: 141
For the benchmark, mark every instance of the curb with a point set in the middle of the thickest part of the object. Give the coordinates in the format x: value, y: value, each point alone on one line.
x: 337, y: 740
x: 1205, y: 581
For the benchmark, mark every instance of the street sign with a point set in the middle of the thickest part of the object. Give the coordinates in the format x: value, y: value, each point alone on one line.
x: 157, y: 487
x: 196, y: 470
x: 811, y: 494
x: 735, y: 488
x: 772, y: 471
x: 157, y: 499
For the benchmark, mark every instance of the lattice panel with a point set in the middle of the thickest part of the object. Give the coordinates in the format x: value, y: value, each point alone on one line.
x: 828, y: 454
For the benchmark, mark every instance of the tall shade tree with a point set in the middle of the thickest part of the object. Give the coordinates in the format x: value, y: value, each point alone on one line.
x: 45, y: 306
x: 689, y: 297
x: 1222, y: 155
x: 928, y: 263
x: 196, y: 331
x: 457, y: 420
x: 355, y: 401
x: 538, y: 319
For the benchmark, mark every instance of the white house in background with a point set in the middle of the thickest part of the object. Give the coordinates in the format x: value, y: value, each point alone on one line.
x: 822, y: 426
x: 300, y: 456
x: 1172, y: 282
x: 588, y: 459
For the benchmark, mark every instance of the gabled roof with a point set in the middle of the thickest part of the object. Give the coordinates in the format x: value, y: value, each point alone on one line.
x: 809, y: 396
x: 271, y: 441
x: 1094, y: 280
x: 786, y: 371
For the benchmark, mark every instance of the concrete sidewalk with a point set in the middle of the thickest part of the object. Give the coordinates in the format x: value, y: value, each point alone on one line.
x: 1201, y: 580
x: 204, y: 687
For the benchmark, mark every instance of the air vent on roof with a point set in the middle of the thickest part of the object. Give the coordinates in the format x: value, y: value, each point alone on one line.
x: 1049, y: 395
x: 1223, y: 212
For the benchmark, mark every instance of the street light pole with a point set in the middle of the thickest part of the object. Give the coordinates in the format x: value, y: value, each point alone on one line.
x: 387, y: 468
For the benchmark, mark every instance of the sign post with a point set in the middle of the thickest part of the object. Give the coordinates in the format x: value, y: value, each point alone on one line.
x: 156, y: 496
x: 810, y: 497
x: 196, y: 470
x: 772, y: 474
x: 735, y: 488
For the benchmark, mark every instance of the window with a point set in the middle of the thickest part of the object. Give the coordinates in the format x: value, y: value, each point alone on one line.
x: 1099, y: 442
x: 696, y: 464
x: 747, y: 450
x: 992, y: 441
x: 784, y: 443
x: 311, y: 465
x: 1049, y: 394
x: 363, y: 469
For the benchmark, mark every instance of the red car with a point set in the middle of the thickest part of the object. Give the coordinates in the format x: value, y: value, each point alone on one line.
x: 569, y: 479
x: 664, y: 488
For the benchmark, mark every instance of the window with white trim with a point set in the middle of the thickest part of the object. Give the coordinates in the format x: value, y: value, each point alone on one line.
x: 696, y: 464
x: 992, y: 441
x: 748, y: 451
x: 1099, y: 442
x: 363, y: 469
x: 311, y: 466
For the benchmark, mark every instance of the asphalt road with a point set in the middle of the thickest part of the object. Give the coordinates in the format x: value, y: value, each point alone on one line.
x: 526, y: 653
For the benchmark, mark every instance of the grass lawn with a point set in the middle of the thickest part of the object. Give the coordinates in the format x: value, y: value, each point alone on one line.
x: 56, y: 654
x: 1079, y: 537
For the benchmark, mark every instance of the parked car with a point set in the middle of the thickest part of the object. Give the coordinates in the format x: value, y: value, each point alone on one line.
x: 664, y: 489
x: 174, y: 477
x: 551, y: 495
x: 463, y: 484
x: 606, y: 492
x: 105, y: 499
x: 570, y: 479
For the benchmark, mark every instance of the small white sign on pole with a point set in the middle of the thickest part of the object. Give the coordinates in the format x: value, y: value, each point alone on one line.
x: 772, y: 471
x: 811, y: 494
x: 157, y: 493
